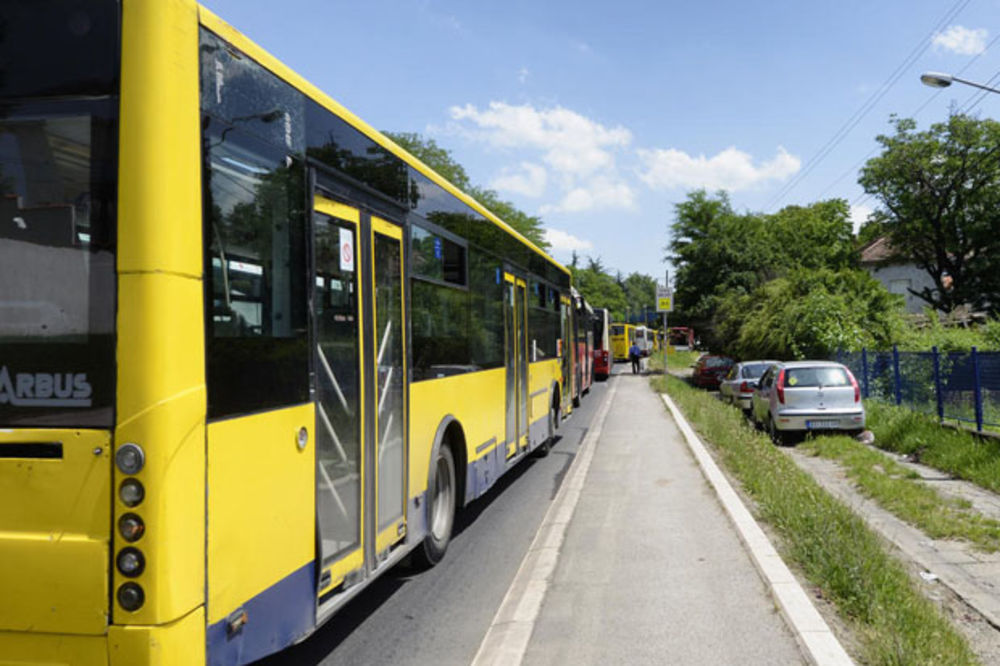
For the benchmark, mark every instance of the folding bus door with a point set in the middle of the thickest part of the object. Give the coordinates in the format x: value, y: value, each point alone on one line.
x: 516, y: 353
x: 340, y: 405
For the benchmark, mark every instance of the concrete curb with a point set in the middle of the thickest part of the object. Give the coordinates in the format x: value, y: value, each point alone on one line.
x: 818, y: 643
x: 506, y: 641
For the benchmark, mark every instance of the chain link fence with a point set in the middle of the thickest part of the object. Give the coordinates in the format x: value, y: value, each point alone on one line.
x: 964, y: 386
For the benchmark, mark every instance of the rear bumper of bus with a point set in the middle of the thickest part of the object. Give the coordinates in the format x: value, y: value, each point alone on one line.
x: 180, y: 643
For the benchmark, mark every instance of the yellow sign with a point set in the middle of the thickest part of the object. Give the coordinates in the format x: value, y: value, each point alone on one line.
x: 664, y: 304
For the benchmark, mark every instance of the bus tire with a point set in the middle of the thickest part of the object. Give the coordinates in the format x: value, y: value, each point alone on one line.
x: 442, y: 499
x: 553, y: 425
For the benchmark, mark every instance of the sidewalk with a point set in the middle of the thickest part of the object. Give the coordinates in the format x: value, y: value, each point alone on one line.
x: 651, y: 570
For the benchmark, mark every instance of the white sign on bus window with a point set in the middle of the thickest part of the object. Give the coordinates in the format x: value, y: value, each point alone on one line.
x: 346, y: 250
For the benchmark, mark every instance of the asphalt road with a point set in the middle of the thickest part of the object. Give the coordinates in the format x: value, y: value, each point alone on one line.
x: 440, y: 616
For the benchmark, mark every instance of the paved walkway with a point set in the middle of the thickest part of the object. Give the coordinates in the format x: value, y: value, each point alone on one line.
x: 651, y: 570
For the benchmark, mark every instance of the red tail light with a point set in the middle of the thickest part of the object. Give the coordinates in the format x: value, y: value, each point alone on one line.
x: 854, y: 383
x: 779, y: 386
x: 744, y: 387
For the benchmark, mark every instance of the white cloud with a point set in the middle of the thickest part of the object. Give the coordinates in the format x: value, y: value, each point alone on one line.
x: 572, y: 144
x: 859, y: 215
x: 563, y: 241
x: 960, y: 40
x: 529, y: 181
x: 596, y: 193
x: 730, y: 169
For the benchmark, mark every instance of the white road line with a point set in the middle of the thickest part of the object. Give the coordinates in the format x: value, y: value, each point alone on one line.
x: 810, y: 629
x: 506, y: 641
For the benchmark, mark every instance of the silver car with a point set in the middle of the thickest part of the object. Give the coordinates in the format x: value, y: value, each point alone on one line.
x: 798, y: 397
x: 738, y: 386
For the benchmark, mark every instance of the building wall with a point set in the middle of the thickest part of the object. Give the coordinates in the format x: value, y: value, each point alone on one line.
x: 900, y: 278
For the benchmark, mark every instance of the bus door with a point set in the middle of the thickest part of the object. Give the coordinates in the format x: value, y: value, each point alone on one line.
x: 389, y: 446
x: 359, y: 388
x: 515, y: 328
x: 339, y: 381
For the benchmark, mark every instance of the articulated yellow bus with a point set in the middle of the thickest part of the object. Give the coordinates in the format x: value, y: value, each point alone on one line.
x: 252, y: 354
x: 622, y: 338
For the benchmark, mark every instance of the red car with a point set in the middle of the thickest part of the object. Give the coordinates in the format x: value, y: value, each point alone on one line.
x: 710, y: 369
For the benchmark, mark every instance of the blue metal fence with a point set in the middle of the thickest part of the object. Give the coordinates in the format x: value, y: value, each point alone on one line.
x: 964, y: 386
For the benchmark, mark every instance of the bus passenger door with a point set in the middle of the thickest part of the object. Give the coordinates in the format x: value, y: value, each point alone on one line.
x: 339, y: 386
x: 390, y: 382
x: 515, y: 325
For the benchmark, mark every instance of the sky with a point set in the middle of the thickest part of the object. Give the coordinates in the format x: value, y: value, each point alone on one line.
x: 600, y: 117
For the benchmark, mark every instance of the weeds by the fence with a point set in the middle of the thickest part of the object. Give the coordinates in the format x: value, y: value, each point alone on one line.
x: 956, y: 452
x: 833, y: 546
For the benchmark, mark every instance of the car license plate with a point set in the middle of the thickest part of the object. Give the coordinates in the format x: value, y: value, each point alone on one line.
x: 824, y: 424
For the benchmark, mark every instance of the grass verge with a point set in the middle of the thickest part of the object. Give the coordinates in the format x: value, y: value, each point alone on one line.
x: 899, y: 491
x: 958, y: 453
x: 681, y: 360
x: 832, y: 545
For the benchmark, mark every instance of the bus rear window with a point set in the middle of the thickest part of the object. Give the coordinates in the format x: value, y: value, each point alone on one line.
x: 57, y: 263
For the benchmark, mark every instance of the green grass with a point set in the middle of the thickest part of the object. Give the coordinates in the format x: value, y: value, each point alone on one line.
x: 956, y: 452
x: 681, y: 360
x: 837, y: 552
x: 899, y: 491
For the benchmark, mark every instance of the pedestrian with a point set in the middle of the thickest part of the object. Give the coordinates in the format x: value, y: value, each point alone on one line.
x: 635, y: 355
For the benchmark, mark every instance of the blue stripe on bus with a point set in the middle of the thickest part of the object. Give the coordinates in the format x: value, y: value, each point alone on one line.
x: 276, y: 618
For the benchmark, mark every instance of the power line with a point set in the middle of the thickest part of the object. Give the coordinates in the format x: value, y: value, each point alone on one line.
x: 865, y: 108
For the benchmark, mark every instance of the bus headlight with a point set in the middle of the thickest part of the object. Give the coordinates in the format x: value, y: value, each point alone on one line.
x: 131, y: 597
x: 131, y: 492
x: 130, y: 458
x: 130, y: 562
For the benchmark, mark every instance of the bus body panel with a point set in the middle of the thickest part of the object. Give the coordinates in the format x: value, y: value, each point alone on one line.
x: 54, y: 529
x: 160, y: 323
x: 17, y: 649
x: 475, y: 400
x: 261, y: 522
x: 621, y: 342
x: 179, y: 643
x: 542, y: 376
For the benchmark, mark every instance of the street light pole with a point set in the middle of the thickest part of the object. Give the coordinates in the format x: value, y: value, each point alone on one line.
x: 939, y: 80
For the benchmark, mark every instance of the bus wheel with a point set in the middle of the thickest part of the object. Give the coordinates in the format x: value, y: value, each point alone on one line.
x: 546, y: 446
x: 440, y: 511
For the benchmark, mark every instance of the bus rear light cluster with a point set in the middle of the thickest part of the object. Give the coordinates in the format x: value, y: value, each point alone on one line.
x: 131, y: 597
x: 130, y: 458
x: 131, y: 492
x: 131, y: 562
x: 131, y: 527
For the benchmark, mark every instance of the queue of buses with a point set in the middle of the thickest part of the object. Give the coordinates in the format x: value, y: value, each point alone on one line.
x: 252, y: 353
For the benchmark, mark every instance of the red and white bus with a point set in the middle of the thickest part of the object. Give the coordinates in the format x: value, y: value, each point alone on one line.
x: 602, y: 343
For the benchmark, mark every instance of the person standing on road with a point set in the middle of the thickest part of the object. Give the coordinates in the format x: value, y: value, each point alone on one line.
x: 635, y: 355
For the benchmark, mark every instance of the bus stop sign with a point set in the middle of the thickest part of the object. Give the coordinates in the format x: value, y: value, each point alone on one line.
x: 664, y: 300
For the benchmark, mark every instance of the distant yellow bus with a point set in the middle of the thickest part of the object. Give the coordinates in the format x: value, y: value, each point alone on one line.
x: 622, y: 338
x: 252, y: 353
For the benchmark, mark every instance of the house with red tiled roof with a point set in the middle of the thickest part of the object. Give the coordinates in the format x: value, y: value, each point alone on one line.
x: 898, y: 274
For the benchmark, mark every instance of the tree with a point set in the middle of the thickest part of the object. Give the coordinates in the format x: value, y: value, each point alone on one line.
x: 600, y: 289
x: 815, y: 236
x: 939, y: 196
x: 640, y: 293
x: 440, y: 160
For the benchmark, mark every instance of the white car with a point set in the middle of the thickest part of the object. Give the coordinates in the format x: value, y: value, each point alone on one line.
x: 798, y: 397
x: 738, y: 386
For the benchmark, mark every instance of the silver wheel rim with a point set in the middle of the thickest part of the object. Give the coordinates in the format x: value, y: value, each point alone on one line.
x: 443, y: 499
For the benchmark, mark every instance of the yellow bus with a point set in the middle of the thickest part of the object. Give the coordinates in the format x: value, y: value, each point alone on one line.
x: 622, y: 338
x: 252, y: 353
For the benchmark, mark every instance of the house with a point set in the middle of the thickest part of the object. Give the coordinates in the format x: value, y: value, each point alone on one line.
x: 898, y: 275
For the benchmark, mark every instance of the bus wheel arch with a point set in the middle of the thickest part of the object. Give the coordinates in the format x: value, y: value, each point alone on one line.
x: 445, y: 492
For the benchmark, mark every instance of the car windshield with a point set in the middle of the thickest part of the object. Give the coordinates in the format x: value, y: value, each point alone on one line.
x: 754, y: 371
x: 812, y: 377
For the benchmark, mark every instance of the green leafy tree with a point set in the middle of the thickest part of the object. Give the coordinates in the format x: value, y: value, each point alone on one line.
x: 640, y: 293
x: 600, y: 289
x: 939, y: 196
x: 815, y: 236
x: 441, y: 160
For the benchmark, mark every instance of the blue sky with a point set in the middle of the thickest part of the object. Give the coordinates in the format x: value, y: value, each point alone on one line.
x: 601, y: 116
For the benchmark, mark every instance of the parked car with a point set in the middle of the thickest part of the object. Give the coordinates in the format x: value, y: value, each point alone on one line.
x: 795, y: 398
x: 738, y: 386
x: 710, y: 369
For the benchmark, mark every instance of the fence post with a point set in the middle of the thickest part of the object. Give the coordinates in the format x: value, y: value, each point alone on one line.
x: 897, y: 384
x: 937, y: 384
x: 978, y: 390
x: 864, y: 371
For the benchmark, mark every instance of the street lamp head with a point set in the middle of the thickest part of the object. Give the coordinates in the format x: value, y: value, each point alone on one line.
x: 936, y: 79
